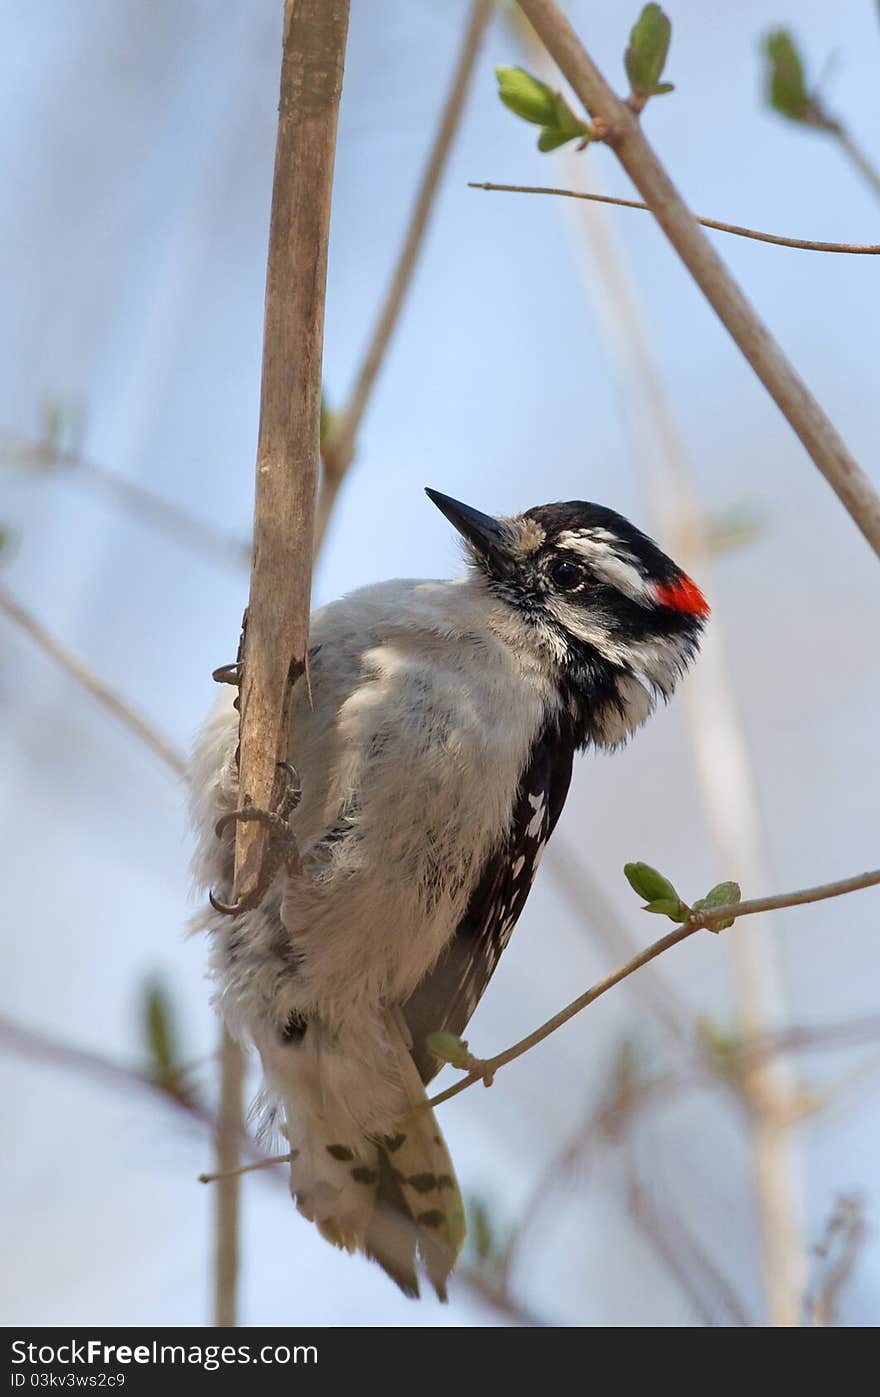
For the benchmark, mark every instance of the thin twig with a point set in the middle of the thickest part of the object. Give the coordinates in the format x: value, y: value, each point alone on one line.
x: 709, y: 917
x: 80, y: 672
x: 865, y: 166
x: 290, y: 409
x: 621, y: 131
x: 807, y: 244
x: 339, y: 446
x: 240, y: 1169
x: 818, y: 115
x: 703, y: 919
x: 836, y: 1254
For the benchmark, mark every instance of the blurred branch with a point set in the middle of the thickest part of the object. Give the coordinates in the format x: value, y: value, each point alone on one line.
x: 787, y: 93
x: 172, y: 520
x: 857, y: 157
x: 680, y: 1252
x: 736, y: 228
x: 837, y: 1254
x: 621, y: 131
x: 275, y: 636
x: 498, y: 1297
x: 38, y: 1047
x: 83, y: 676
x: 229, y: 1136
x: 721, y: 750
x: 485, y: 1069
x: 338, y: 448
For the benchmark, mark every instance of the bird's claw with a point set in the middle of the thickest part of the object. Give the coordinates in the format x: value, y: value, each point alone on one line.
x: 282, y: 850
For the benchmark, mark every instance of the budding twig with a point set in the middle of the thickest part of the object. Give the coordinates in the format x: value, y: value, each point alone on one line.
x: 706, y: 918
x: 622, y: 132
x: 809, y: 245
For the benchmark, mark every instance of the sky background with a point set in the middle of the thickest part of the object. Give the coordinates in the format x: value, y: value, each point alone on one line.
x: 136, y: 144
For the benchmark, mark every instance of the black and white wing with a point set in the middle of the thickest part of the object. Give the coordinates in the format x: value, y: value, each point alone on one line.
x: 449, y: 994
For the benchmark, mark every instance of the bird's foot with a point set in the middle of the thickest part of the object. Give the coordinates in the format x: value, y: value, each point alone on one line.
x: 281, y: 851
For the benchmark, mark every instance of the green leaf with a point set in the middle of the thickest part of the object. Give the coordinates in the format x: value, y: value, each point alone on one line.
x: 648, y: 883
x: 62, y: 425
x: 662, y: 88
x: 161, y: 1036
x: 481, y: 1230
x: 671, y: 907
x: 537, y: 103
x: 527, y: 96
x: 448, y: 1048
x: 645, y: 58
x: 722, y: 895
x: 551, y: 138
x: 786, y: 88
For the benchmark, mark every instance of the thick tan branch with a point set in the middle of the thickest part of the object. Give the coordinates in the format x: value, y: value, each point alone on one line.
x: 806, y: 244
x: 621, y: 130
x: 290, y: 406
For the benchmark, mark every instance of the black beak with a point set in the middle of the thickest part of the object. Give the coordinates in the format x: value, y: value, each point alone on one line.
x: 484, y: 532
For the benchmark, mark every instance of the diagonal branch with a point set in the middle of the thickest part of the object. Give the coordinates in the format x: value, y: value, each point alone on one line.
x: 621, y: 131
x: 83, y: 676
x: 708, y: 917
x: 338, y: 449
x: 171, y: 519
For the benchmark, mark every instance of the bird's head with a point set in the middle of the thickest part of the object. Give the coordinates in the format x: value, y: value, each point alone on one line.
x: 618, y: 621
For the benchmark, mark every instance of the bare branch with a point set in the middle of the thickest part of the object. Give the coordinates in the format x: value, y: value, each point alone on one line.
x: 857, y: 157
x: 290, y: 408
x: 807, y: 244
x: 229, y: 1138
x: 621, y: 131
x: 704, y: 919
x: 240, y: 1169
x: 688, y: 1263
x: 83, y: 676
x: 28, y: 1043
x: 836, y: 1254
x: 339, y: 447
x: 710, y: 917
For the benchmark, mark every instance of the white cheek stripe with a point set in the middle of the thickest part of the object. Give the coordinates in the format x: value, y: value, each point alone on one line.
x: 597, y: 549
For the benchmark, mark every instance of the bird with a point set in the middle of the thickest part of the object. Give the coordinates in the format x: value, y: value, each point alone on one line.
x: 432, y: 739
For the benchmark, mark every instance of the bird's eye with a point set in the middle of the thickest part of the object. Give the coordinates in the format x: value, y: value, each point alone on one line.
x: 566, y: 575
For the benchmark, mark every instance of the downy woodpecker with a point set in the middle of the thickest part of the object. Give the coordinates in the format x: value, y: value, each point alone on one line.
x: 434, y: 745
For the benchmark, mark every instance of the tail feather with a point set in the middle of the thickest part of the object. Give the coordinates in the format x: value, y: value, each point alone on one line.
x: 423, y: 1175
x: 393, y: 1196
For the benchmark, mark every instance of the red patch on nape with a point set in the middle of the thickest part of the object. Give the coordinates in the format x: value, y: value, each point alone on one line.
x: 682, y: 595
